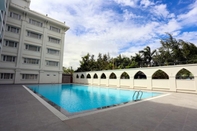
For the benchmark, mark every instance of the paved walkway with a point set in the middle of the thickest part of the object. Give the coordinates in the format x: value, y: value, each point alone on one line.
x: 20, y: 111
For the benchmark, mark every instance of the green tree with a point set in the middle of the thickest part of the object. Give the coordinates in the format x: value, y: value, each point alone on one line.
x: 85, y: 63
x: 172, y: 51
x: 68, y: 70
x: 147, y: 55
x: 137, y: 60
x: 189, y: 51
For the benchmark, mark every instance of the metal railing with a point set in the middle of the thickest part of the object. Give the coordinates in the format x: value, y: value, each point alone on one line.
x: 137, y: 95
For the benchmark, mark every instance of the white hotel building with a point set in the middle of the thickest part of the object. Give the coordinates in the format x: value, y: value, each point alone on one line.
x: 31, y: 45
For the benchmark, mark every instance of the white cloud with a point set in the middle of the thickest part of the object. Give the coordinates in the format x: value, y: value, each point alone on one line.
x: 170, y: 27
x: 129, y: 15
x: 96, y: 30
x: 132, y: 3
x: 146, y: 3
x: 161, y: 10
x: 189, y: 18
x: 189, y: 37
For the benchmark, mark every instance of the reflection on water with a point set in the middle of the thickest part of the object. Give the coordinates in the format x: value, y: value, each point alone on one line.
x: 77, y: 98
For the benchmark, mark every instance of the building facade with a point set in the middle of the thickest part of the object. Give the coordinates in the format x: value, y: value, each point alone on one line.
x: 32, y: 45
x: 3, y: 16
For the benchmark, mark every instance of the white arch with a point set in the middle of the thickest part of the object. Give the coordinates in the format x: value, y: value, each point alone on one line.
x: 167, y: 85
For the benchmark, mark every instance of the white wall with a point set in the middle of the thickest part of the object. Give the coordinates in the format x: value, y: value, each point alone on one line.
x: 104, y: 82
x: 23, y: 3
x: 140, y: 83
x: 113, y: 82
x: 125, y: 83
x: 171, y: 84
x: 160, y: 84
x: 185, y: 85
x: 95, y: 82
x: 49, y: 77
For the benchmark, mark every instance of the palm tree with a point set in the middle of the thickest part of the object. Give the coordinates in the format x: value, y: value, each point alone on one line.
x: 172, y: 49
x: 147, y: 55
x: 138, y: 59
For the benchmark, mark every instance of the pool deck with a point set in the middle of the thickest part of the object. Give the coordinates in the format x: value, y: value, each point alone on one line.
x: 20, y: 111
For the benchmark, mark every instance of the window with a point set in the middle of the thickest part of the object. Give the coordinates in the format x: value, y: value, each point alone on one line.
x: 9, y: 43
x: 15, y: 15
x: 140, y: 75
x: 54, y: 40
x: 6, y: 76
x: 32, y: 47
x: 34, y: 22
x: 159, y: 74
x: 95, y: 76
x: 184, y: 74
x: 52, y: 63
x: 124, y: 75
x: 13, y: 29
x: 8, y: 58
x: 52, y: 51
x: 30, y: 76
x: 31, y: 61
x: 77, y: 76
x: 55, y: 29
x: 103, y: 76
x: 82, y: 76
x: 112, y: 76
x: 88, y: 76
x: 34, y: 35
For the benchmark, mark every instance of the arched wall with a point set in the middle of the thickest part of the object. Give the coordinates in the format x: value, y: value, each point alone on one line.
x: 171, y: 84
x: 95, y: 81
x: 182, y: 83
x: 161, y: 84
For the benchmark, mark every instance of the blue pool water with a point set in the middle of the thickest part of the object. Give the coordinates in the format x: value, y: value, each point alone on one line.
x: 76, y: 98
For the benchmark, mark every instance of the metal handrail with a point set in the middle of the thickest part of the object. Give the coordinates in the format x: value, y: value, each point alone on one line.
x: 139, y: 93
x: 134, y: 95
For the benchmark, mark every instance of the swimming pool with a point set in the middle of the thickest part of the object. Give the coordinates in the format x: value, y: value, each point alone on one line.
x: 77, y: 98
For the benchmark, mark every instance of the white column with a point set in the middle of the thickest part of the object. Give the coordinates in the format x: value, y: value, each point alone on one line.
x: 92, y: 80
x: 118, y: 79
x: 149, y: 79
x: 41, y: 75
x: 43, y: 48
x: 99, y: 81
x: 61, y: 51
x: 59, y: 77
x: 21, y: 41
x: 17, y: 77
x: 172, y: 80
x: 131, y: 83
x: 107, y: 83
x: 195, y: 83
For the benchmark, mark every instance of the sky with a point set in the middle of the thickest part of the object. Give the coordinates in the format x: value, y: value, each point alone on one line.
x: 119, y: 26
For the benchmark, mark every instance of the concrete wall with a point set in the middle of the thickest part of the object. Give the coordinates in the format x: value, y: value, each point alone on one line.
x: 171, y: 84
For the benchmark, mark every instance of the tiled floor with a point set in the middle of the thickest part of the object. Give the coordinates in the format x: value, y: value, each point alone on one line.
x: 20, y: 111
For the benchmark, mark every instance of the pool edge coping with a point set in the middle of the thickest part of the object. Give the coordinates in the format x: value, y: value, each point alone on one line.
x: 48, y: 106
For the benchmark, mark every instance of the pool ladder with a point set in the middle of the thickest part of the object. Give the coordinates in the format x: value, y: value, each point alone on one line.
x: 137, y: 95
